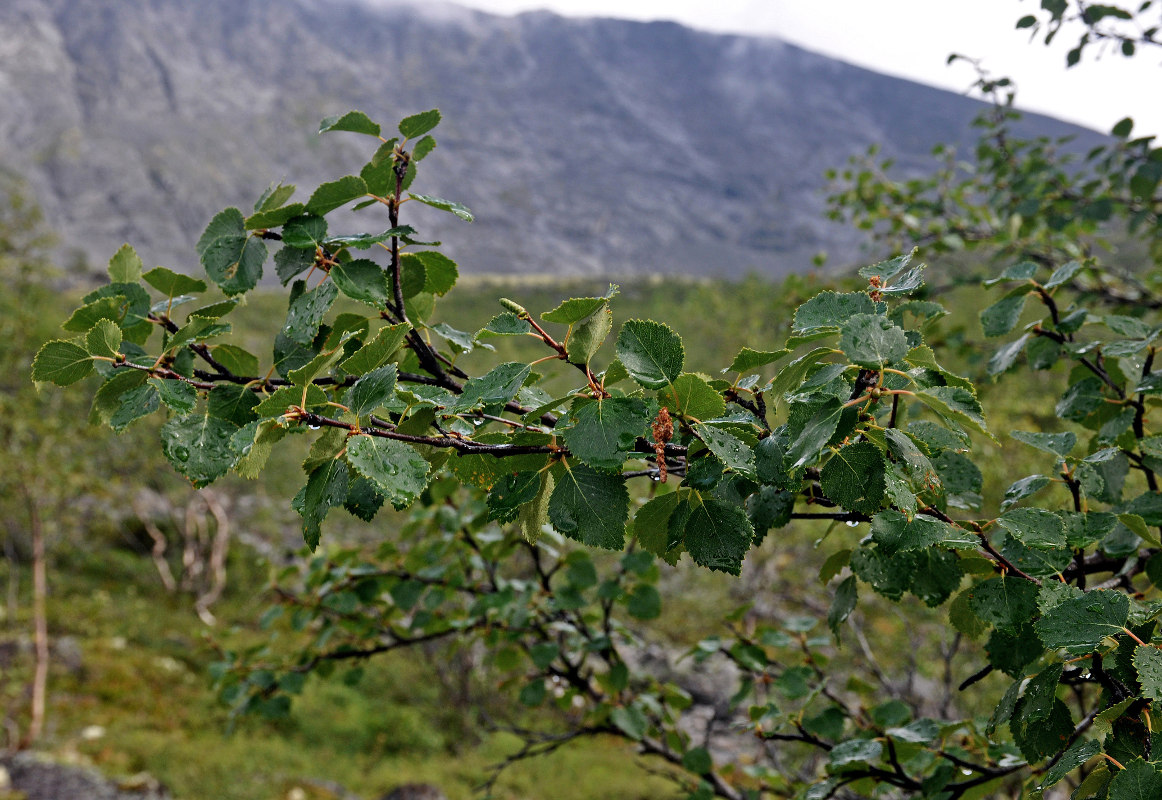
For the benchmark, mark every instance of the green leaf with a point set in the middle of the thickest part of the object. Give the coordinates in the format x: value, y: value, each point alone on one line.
x: 815, y: 435
x: 717, y: 535
x: 199, y: 447
x: 274, y: 197
x: 1140, y: 780
x: 399, y: 471
x: 1083, y: 622
x: 854, y: 751
x: 440, y: 272
x: 107, y: 400
x: 907, y: 283
x: 644, y: 602
x: 605, y: 431
x: 1063, y: 274
x: 215, y: 310
x: 1003, y: 315
x: 1130, y: 327
x: 889, y: 576
x: 748, y: 359
x: 1080, y: 399
x: 372, y: 390
x: 886, y: 270
x: 232, y: 258
x: 365, y: 241
x: 1138, y: 525
x: 1004, y: 602
x: 133, y: 405
x: 906, y: 452
x: 385, y: 342
x: 196, y: 329
x: 1148, y: 506
x: 460, y: 210
x: 178, y: 396
x: 171, y: 283
x: 651, y: 526
x: 509, y: 493
x: 104, y: 339
x: 232, y: 402
x: 1034, y: 527
x: 1058, y: 444
x: 363, y: 499
x: 235, y: 359
x: 62, y: 363
x: 586, y: 336
x: 830, y: 310
x: 734, y: 453
x: 305, y: 232
x: 275, y: 218
x: 1081, y: 751
x: 1040, y: 694
x: 1148, y: 662
x: 286, y: 397
x: 423, y: 147
x: 690, y: 395
x: 461, y: 341
x: 846, y: 597
x: 631, y: 721
x: 534, y: 516
x: 306, y: 313
x: 506, y: 324
x: 963, y: 619
x: 791, y: 376
x: 590, y: 506
x: 419, y: 124
x: 320, y: 363
x: 651, y: 352
x: 1006, y: 356
x: 956, y: 403
x: 336, y: 194
x: 88, y: 315
x: 354, y: 121
x: 1042, y: 738
x: 363, y: 280
x: 496, y: 387
x: 937, y: 574
x: 326, y: 488
x: 1022, y: 271
x: 574, y: 310
x: 125, y: 266
x: 870, y: 340
x: 854, y: 477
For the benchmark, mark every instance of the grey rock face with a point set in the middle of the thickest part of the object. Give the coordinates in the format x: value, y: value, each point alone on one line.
x: 43, y: 780
x: 583, y: 146
x: 415, y: 791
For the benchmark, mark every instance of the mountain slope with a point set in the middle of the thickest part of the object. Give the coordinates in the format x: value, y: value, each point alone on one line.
x: 583, y: 146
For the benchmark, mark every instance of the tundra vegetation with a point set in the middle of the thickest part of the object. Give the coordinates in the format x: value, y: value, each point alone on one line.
x: 526, y: 512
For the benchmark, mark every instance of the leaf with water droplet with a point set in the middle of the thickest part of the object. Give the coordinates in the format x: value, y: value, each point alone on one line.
x: 730, y: 450
x: 199, y: 447
x: 325, y: 489
x: 605, y: 431
x: 396, y: 468
x: 1083, y: 622
x: 590, y: 506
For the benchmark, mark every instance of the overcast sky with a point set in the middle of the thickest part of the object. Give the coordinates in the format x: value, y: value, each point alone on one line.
x: 912, y: 39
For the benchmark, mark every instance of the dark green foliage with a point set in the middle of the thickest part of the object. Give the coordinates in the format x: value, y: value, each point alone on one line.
x: 517, y: 475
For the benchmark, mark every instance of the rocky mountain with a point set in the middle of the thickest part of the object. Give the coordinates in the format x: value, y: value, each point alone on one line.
x: 584, y: 146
